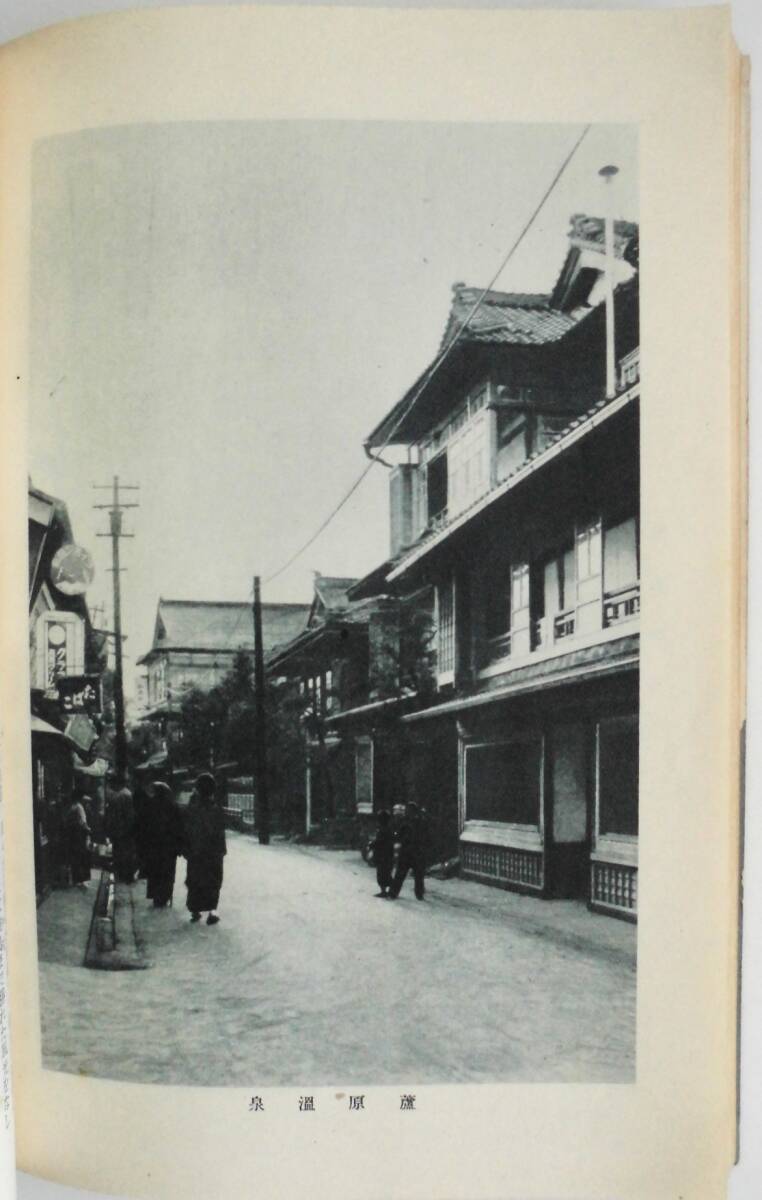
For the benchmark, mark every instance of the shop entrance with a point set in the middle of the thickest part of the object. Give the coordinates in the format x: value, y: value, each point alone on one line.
x: 568, y: 842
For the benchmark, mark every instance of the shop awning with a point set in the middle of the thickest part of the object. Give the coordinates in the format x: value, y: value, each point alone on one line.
x: 40, y: 726
x: 532, y: 680
x: 45, y: 729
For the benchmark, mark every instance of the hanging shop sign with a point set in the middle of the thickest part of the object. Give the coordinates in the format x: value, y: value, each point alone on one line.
x: 72, y: 570
x: 81, y: 731
x: 59, y: 647
x: 79, y: 693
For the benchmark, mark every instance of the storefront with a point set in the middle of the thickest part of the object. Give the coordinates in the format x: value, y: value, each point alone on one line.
x: 548, y: 790
x: 52, y: 785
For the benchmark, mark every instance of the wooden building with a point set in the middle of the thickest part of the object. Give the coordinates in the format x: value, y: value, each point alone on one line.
x: 194, y: 646
x: 66, y: 659
x: 517, y: 502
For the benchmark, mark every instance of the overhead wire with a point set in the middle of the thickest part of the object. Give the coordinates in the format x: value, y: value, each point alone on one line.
x: 439, y: 361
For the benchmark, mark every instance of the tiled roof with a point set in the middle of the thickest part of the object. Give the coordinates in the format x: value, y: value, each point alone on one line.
x: 224, y: 625
x: 332, y: 590
x: 505, y: 317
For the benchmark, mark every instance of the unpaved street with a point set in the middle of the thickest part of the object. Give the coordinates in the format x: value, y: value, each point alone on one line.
x: 309, y: 979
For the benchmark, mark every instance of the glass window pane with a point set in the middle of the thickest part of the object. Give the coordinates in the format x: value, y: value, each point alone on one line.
x: 620, y: 556
x: 618, y: 776
x: 503, y: 782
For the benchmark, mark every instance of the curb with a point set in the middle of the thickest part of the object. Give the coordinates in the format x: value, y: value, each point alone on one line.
x: 111, y: 941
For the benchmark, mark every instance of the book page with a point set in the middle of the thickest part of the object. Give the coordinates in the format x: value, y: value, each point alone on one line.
x: 7, y: 1149
x: 247, y: 254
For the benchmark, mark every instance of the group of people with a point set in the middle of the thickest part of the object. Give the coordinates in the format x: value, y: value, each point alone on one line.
x: 148, y: 832
x: 407, y: 838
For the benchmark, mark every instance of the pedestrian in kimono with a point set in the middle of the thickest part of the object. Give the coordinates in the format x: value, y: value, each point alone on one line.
x: 77, y: 841
x: 120, y: 828
x: 205, y: 850
x: 413, y: 838
x: 162, y: 842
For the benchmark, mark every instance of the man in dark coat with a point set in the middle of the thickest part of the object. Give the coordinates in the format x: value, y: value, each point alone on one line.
x: 383, y: 852
x: 120, y: 829
x: 413, y: 838
x: 162, y: 842
x: 205, y: 849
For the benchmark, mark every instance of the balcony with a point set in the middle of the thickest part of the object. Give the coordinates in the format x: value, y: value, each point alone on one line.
x: 621, y: 606
x: 438, y: 521
x: 562, y: 632
x: 564, y: 625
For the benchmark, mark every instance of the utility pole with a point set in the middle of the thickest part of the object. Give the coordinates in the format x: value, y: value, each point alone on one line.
x: 115, y: 510
x: 607, y: 174
x: 260, y: 727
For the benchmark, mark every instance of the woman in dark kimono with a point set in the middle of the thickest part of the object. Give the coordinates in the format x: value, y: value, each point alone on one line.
x: 205, y: 849
x: 162, y: 842
x: 77, y: 841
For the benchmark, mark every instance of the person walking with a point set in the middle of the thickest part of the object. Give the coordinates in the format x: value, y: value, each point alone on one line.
x: 383, y: 852
x: 413, y: 838
x: 120, y: 829
x: 77, y: 838
x: 162, y: 842
x: 205, y: 849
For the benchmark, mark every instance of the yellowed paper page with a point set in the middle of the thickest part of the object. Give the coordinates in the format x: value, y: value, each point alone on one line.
x: 665, y: 1126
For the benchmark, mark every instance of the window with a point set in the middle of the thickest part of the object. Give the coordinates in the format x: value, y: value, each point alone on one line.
x: 364, y: 775
x: 467, y: 467
x: 589, y: 551
x: 618, y: 776
x: 478, y: 399
x: 510, y: 425
x: 519, y: 588
x: 620, y: 556
x: 436, y: 486
x: 497, y: 603
x: 559, y: 583
x: 446, y: 628
x: 504, y: 782
x: 329, y: 691
x: 161, y: 681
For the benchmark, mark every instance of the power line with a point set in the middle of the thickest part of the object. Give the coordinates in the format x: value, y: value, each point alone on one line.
x: 439, y: 361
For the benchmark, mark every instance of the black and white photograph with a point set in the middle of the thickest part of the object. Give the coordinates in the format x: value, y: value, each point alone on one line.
x: 334, y: 598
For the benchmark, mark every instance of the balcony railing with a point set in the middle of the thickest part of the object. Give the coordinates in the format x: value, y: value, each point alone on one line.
x: 622, y: 605
x: 437, y: 521
x: 563, y: 624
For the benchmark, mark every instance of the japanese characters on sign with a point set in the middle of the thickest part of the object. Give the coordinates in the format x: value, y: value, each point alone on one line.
x: 79, y: 693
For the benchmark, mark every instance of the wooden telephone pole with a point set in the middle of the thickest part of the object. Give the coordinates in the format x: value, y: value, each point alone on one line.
x: 115, y: 510
x: 260, y: 726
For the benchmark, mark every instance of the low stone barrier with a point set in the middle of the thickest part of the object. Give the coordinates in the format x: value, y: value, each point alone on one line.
x: 111, y: 943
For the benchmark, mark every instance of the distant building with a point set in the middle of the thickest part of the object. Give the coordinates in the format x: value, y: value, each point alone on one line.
x: 350, y: 659
x: 194, y: 646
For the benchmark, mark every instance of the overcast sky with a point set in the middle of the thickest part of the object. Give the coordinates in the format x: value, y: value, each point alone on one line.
x: 221, y: 312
